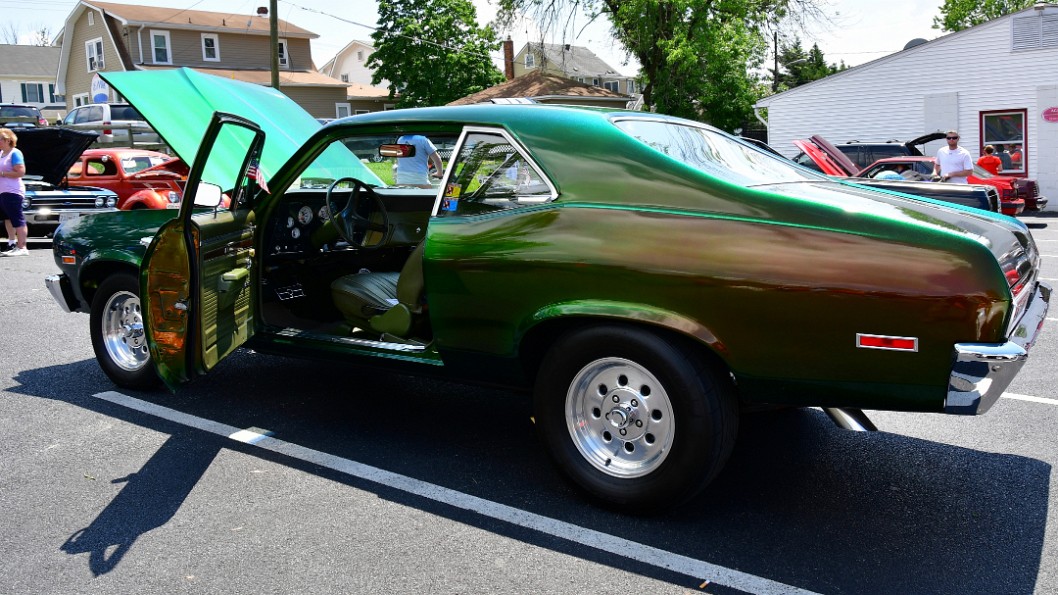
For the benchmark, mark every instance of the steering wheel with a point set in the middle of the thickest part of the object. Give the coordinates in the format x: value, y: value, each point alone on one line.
x: 348, y: 220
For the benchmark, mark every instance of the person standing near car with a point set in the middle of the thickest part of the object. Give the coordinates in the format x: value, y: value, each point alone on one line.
x: 12, y: 190
x: 989, y: 161
x: 415, y: 170
x: 954, y: 163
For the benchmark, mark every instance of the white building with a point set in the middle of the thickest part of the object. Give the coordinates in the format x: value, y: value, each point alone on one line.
x: 27, y: 76
x: 996, y: 83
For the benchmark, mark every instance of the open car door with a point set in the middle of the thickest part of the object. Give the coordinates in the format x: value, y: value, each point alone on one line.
x: 197, y: 281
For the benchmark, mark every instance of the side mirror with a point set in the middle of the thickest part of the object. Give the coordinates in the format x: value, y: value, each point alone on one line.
x: 207, y: 195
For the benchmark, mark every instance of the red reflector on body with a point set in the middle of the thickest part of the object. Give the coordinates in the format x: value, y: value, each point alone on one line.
x: 886, y: 342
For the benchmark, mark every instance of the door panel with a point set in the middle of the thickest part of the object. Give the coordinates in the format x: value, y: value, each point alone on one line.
x: 198, y: 274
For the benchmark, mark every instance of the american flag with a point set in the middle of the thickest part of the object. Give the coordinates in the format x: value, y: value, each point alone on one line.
x: 254, y: 171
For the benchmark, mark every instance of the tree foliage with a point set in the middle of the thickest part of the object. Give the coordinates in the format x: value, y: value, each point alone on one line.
x: 697, y: 57
x: 797, y: 67
x: 957, y: 15
x: 432, y: 52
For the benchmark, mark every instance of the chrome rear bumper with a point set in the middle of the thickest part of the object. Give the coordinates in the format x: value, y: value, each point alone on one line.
x: 982, y: 371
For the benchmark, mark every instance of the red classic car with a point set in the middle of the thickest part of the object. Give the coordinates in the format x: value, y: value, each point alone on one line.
x: 141, y: 179
x: 1015, y: 194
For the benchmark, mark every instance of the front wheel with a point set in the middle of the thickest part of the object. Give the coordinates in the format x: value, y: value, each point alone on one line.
x: 638, y: 420
x: 118, y: 336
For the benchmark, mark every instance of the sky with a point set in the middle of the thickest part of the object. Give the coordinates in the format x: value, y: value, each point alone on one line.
x: 859, y: 31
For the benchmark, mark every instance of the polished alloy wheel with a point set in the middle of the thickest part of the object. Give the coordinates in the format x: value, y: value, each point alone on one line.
x: 123, y: 333
x: 620, y: 417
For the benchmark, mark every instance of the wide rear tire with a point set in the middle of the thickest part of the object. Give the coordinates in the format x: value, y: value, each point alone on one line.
x: 117, y: 331
x: 640, y: 421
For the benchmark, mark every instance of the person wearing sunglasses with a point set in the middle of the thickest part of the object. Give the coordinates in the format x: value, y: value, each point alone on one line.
x: 954, y: 163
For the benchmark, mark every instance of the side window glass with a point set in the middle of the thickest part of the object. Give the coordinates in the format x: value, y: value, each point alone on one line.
x: 490, y: 174
x: 100, y: 167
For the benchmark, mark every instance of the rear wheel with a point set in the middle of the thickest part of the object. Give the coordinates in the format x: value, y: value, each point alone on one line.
x: 118, y: 336
x: 636, y: 419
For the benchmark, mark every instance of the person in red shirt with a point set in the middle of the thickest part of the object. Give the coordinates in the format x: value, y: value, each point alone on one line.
x: 1015, y: 157
x: 989, y: 161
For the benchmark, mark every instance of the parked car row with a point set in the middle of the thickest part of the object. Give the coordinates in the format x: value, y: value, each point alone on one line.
x: 1016, y: 194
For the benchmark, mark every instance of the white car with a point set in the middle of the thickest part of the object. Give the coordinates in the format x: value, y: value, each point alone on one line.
x: 113, y: 122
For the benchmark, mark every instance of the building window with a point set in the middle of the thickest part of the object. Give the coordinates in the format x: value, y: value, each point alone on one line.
x: 284, y: 60
x: 81, y: 99
x: 210, y: 47
x: 32, y: 93
x: 530, y: 60
x: 1005, y: 130
x: 389, y: 106
x: 595, y: 82
x: 631, y: 87
x: 614, y: 86
x: 345, y: 77
x: 360, y: 55
x: 91, y: 19
x: 361, y: 111
x: 341, y: 110
x: 93, y: 51
x: 160, y: 47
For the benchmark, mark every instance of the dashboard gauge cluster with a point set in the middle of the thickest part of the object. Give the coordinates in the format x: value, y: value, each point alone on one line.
x: 293, y: 230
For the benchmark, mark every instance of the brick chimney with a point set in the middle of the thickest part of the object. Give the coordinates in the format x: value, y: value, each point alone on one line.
x: 508, y: 58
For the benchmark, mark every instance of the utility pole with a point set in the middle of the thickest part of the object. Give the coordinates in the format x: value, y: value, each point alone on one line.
x: 273, y: 36
x: 774, y: 73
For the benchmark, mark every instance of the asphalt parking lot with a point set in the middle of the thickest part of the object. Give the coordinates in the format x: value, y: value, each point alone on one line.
x: 274, y: 475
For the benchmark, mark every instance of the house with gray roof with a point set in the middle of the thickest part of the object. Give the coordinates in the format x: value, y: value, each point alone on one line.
x: 102, y: 36
x: 574, y: 62
x: 28, y: 77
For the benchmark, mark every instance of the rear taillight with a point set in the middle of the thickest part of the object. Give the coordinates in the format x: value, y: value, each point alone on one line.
x: 42, y: 121
x: 107, y: 131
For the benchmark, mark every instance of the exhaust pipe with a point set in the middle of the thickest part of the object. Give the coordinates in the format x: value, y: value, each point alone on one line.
x: 850, y: 419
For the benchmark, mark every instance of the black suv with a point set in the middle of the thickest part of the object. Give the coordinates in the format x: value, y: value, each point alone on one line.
x: 20, y: 116
x: 864, y: 154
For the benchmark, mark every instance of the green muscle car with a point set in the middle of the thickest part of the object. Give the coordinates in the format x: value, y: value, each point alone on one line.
x: 647, y: 278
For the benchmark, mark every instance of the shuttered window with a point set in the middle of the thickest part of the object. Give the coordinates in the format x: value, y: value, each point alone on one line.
x: 1034, y: 32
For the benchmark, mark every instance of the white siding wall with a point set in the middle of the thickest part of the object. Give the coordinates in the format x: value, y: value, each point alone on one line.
x: 942, y: 84
x: 348, y: 63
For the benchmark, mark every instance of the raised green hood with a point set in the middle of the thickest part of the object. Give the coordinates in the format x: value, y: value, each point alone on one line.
x: 179, y: 102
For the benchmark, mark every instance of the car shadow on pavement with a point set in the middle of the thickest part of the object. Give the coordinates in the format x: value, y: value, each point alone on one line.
x: 801, y: 502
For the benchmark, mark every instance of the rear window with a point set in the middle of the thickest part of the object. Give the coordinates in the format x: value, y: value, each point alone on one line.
x: 18, y: 111
x: 124, y: 112
x: 714, y: 153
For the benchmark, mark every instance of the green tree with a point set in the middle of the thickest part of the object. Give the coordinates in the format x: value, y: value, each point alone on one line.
x: 432, y: 52
x: 697, y: 57
x: 957, y: 15
x: 797, y: 67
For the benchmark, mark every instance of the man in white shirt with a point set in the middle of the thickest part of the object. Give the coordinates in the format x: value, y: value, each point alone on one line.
x: 954, y: 163
x: 415, y: 170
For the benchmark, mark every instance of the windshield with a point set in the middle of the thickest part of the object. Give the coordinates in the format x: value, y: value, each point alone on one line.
x: 715, y: 153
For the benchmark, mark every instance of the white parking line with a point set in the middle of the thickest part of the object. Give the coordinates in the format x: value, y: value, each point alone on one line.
x: 573, y: 533
x: 1030, y: 398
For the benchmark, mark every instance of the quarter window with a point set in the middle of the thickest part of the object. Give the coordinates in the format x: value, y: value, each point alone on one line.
x: 160, y: 47
x: 491, y: 174
x: 210, y: 47
x: 1006, y: 131
x: 93, y: 50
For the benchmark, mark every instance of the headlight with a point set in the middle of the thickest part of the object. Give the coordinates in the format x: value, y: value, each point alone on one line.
x: 174, y: 197
x: 111, y: 201
x: 99, y: 202
x: 26, y: 203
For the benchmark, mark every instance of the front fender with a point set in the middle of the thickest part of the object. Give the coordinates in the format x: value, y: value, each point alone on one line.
x: 148, y: 199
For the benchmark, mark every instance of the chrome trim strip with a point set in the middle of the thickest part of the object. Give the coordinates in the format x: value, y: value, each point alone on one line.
x: 982, y: 371
x: 400, y: 347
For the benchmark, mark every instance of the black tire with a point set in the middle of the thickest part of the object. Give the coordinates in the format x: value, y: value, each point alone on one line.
x: 676, y: 408
x: 117, y: 333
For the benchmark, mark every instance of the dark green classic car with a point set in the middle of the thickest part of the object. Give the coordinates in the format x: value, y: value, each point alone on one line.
x: 647, y: 278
